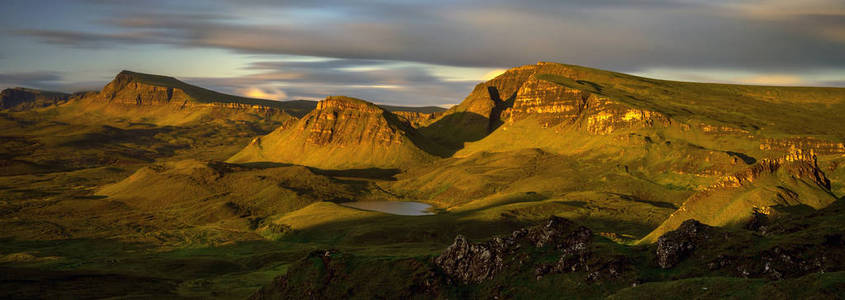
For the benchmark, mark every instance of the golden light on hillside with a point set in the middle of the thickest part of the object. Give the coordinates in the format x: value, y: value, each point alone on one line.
x: 492, y: 74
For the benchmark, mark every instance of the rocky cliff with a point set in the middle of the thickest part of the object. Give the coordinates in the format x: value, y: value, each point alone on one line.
x: 552, y: 104
x: 18, y: 99
x: 549, y: 93
x: 342, y: 132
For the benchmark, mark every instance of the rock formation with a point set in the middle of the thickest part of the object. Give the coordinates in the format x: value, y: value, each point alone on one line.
x: 795, y: 179
x: 342, y: 132
x: 161, y: 97
x: 470, y: 262
x: 675, y: 245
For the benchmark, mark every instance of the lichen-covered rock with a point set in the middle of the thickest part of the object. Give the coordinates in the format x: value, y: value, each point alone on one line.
x: 469, y: 262
x: 477, y: 262
x: 676, y: 245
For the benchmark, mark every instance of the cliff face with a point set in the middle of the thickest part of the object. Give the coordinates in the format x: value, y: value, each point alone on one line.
x: 18, y: 99
x: 553, y: 104
x: 347, y: 121
x: 549, y: 93
x: 341, y: 132
x: 125, y: 89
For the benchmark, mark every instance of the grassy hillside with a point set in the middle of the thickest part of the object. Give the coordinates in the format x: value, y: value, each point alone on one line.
x: 136, y: 198
x: 769, y: 110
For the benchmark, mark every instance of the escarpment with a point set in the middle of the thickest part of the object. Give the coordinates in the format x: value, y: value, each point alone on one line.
x: 793, y: 180
x: 551, y: 94
x: 553, y: 104
x: 145, y: 91
x: 19, y: 99
x: 342, y: 132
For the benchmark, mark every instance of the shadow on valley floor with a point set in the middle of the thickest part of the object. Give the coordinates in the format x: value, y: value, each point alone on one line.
x: 103, y: 268
x: 653, y: 203
x: 455, y: 129
x: 28, y: 283
x: 366, y: 173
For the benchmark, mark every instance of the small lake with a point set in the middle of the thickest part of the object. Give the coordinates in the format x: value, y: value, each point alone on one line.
x: 402, y: 208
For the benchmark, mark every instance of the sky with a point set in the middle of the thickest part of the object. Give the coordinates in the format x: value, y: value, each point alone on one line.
x: 413, y: 52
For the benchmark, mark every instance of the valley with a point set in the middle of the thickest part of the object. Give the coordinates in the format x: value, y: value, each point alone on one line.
x: 548, y: 179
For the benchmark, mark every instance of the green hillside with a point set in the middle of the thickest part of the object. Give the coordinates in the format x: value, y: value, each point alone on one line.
x: 128, y: 188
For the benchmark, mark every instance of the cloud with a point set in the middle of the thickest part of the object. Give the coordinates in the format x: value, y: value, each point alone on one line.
x: 619, y: 35
x: 398, y: 51
x: 264, y: 93
x: 378, y: 81
x: 773, y: 79
x: 30, y: 79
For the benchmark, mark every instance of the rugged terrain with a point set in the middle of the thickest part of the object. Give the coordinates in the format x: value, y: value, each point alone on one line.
x: 547, y: 180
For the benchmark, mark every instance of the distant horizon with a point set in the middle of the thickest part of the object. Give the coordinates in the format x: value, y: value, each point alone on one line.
x: 414, y: 52
x: 445, y: 106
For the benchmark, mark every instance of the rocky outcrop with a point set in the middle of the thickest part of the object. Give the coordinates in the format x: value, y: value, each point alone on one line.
x: 550, y: 103
x: 553, y: 104
x: 796, y: 178
x: 675, y: 245
x: 342, y: 132
x: 470, y: 262
x: 801, y: 164
x: 18, y: 99
x: 342, y: 120
x: 817, y: 146
x: 719, y: 250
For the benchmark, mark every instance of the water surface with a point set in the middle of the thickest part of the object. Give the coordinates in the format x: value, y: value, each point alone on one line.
x: 402, y: 208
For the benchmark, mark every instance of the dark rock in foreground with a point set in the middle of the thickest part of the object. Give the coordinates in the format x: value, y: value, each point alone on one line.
x: 675, y: 245
x: 477, y: 262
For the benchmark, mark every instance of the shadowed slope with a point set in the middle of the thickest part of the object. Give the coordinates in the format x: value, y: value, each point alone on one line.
x: 18, y: 99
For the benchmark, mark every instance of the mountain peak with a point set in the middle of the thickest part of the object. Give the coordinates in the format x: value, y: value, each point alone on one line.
x: 342, y: 132
x: 344, y: 102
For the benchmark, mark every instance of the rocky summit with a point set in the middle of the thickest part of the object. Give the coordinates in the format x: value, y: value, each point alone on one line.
x: 342, y: 132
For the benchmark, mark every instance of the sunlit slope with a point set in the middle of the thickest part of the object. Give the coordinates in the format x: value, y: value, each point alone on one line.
x: 343, y: 133
x: 224, y: 196
x: 766, y: 188
x: 654, y: 141
x: 558, y: 97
